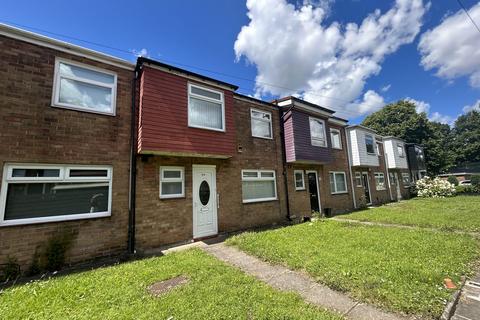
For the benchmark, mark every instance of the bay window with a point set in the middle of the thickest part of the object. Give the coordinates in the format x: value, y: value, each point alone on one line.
x: 369, y: 144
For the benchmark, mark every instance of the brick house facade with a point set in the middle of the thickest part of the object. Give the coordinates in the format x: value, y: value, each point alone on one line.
x: 36, y: 134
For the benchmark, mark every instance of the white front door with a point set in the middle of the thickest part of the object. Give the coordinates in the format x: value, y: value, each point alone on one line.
x: 204, y: 189
x: 397, y: 183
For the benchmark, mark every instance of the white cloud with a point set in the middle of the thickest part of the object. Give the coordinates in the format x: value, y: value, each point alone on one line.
x: 420, y: 106
x: 325, y: 64
x: 371, y: 102
x: 474, y: 106
x: 452, y: 47
x: 386, y: 88
x: 141, y: 53
x: 442, y: 118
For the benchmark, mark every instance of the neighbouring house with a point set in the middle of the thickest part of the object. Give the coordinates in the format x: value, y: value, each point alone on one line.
x: 416, y: 162
x: 209, y: 159
x: 65, y: 143
x: 397, y: 164
x: 369, y: 170
x: 316, y: 157
x: 463, y: 172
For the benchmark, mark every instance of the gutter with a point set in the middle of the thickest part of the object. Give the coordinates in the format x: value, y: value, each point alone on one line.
x: 284, y: 157
x: 133, y: 171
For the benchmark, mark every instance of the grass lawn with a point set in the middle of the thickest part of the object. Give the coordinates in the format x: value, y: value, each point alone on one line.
x: 215, y: 291
x: 399, y: 269
x: 456, y: 213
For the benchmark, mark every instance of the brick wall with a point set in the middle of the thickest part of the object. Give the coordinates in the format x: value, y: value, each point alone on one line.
x: 34, y: 132
x: 165, y: 221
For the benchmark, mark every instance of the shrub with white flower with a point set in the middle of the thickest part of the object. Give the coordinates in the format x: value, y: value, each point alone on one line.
x: 435, y: 188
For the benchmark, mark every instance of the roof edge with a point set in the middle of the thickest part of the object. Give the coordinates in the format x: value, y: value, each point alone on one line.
x: 144, y: 60
x: 44, y: 41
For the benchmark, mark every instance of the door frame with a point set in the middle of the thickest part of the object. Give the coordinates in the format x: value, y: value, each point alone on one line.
x: 318, y: 188
x: 213, y: 192
x: 368, y: 186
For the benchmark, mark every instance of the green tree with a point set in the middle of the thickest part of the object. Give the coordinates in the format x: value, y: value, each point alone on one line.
x: 453, y: 180
x: 466, y: 137
x: 400, y: 119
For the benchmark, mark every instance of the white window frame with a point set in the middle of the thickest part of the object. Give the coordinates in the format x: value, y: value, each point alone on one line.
x: 295, y: 180
x: 339, y: 138
x: 405, y: 174
x: 377, y: 148
x: 374, y: 144
x: 200, y: 97
x: 181, y: 179
x: 358, y: 177
x: 9, y: 179
x: 377, y: 187
x: 56, y: 87
x: 401, y: 146
x: 335, y: 182
x: 260, y: 178
x: 314, y: 141
x: 263, y: 120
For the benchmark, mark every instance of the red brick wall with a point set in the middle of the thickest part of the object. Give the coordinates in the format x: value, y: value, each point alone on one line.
x: 165, y: 221
x: 34, y: 132
x: 163, y: 122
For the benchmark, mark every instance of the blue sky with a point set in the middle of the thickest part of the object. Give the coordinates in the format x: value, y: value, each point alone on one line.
x: 200, y: 35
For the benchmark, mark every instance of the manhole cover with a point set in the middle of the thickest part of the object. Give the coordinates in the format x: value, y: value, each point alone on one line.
x: 161, y: 287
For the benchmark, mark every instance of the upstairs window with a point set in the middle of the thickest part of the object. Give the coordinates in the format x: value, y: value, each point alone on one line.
x: 261, y: 124
x: 80, y: 87
x: 379, y: 149
x: 370, y: 144
x: 46, y: 193
x: 317, y: 132
x: 206, y: 108
x: 336, y: 138
x: 401, y: 150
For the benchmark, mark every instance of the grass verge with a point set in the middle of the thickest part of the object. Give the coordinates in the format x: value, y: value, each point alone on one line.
x: 215, y: 291
x: 398, y: 269
x: 455, y: 213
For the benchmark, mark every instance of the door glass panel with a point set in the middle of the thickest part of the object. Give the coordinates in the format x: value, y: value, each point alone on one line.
x: 204, y: 192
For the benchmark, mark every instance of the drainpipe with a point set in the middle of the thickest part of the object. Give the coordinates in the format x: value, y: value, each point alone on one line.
x: 284, y: 157
x: 388, y: 173
x: 133, y: 170
x: 349, y: 157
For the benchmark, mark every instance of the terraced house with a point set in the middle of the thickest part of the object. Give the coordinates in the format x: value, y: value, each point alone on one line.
x: 65, y: 134
x: 121, y: 158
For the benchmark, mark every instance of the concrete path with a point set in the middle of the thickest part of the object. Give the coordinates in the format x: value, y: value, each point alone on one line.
x: 394, y: 225
x: 284, y: 279
x: 468, y: 306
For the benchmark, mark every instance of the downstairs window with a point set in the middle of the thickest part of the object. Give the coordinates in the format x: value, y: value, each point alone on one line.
x: 258, y: 185
x: 47, y: 193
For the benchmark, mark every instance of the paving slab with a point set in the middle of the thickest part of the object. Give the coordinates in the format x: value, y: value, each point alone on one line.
x: 282, y: 278
x: 468, y: 306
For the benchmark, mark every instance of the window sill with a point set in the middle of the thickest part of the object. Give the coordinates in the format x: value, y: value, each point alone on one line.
x: 266, y: 138
x: 302, y: 189
x: 343, y: 192
x: 205, y: 128
x: 80, y: 109
x: 337, y: 148
x: 259, y: 200
x: 174, y: 196
x: 381, y: 189
x: 17, y: 222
